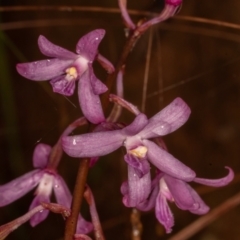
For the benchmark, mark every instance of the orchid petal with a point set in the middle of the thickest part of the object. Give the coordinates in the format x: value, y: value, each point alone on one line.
x: 180, y: 193
x: 93, y: 144
x: 93, y: 161
x: 217, y: 182
x: 63, y: 86
x: 44, y: 69
x: 42, y: 215
x: 61, y: 192
x: 124, y: 188
x: 203, y: 208
x: 83, y: 226
x: 106, y: 64
x: 151, y: 201
x: 167, y: 120
x: 88, y: 44
x: 163, y: 213
x: 167, y: 163
x: 89, y: 102
x: 40, y: 155
x: 51, y: 50
x: 98, y: 86
x: 139, y: 188
x: 19, y: 187
x: 137, y: 125
x: 141, y: 166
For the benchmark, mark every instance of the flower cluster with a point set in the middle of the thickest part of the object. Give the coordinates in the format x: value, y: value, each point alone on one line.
x: 46, y: 180
x: 141, y: 138
x: 65, y: 68
x: 172, y: 181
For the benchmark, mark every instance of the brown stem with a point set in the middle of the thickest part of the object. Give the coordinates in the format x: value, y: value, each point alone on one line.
x: 136, y: 224
x: 71, y: 222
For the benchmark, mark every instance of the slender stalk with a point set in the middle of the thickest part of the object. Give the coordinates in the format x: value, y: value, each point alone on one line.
x: 204, y: 221
x: 98, y: 232
x: 71, y: 222
x: 147, y: 69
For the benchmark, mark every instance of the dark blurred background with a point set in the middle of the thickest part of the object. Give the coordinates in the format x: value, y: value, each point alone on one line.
x: 199, y: 62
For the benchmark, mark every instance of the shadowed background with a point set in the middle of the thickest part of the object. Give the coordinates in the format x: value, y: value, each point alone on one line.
x: 196, y: 61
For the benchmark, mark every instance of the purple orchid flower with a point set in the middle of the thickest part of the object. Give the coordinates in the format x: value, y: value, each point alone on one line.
x: 139, y: 149
x: 165, y: 187
x: 65, y: 68
x: 47, y: 180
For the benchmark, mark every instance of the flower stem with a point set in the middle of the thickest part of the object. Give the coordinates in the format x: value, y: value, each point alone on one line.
x: 71, y: 222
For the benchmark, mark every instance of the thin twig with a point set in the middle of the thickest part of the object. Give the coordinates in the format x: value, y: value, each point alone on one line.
x: 116, y: 10
x: 98, y: 232
x: 160, y: 69
x: 202, y: 222
x: 146, y: 72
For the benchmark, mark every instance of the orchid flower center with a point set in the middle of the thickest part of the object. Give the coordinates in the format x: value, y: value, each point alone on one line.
x: 80, y: 66
x: 139, y: 152
x: 46, y: 184
x: 71, y: 74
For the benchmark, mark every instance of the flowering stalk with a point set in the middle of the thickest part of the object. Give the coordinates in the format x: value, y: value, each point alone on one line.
x: 79, y: 188
x: 94, y: 215
x: 84, y: 164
